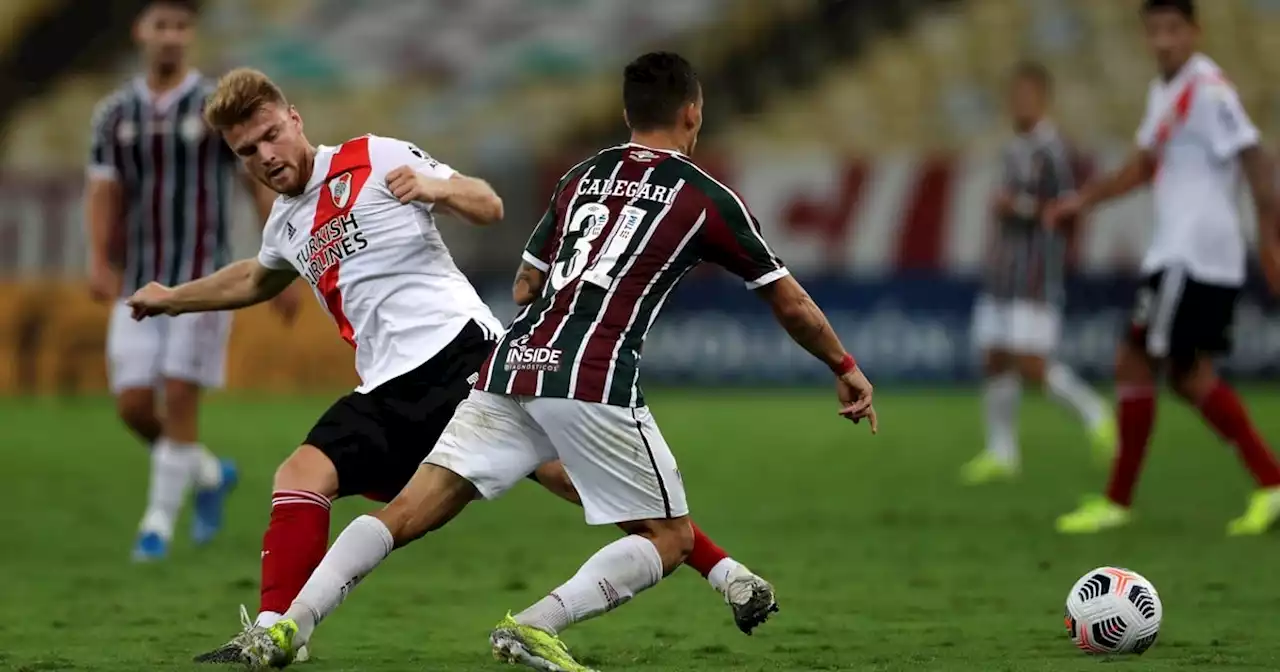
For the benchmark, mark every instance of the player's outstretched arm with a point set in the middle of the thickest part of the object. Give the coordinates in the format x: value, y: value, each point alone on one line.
x: 1136, y: 171
x: 242, y: 284
x: 528, y: 284
x: 470, y: 198
x: 808, y: 326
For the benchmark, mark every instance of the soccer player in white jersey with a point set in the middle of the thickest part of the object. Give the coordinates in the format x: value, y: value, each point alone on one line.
x: 621, y: 230
x: 1193, y: 145
x: 158, y: 188
x: 357, y: 221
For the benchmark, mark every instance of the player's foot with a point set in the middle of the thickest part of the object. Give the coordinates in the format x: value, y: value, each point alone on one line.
x: 150, y: 547
x: 1103, y: 437
x: 750, y: 597
x: 209, y: 504
x: 233, y: 652
x: 987, y: 468
x: 526, y: 645
x: 1264, y: 509
x: 1096, y: 514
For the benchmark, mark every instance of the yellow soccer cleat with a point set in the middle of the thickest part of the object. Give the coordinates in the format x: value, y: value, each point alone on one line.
x: 1264, y: 509
x: 526, y: 645
x: 1096, y: 514
x: 1104, y: 438
x: 987, y: 468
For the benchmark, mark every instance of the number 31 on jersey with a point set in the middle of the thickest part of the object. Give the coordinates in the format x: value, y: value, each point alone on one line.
x: 585, y: 226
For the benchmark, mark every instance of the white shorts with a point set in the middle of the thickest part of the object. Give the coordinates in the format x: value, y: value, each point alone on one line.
x: 191, y: 347
x: 615, y: 456
x: 1018, y: 326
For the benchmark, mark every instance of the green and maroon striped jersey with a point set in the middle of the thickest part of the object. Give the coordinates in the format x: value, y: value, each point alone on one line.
x: 622, y: 229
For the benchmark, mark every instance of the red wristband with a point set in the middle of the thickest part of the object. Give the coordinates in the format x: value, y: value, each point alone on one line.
x: 845, y: 366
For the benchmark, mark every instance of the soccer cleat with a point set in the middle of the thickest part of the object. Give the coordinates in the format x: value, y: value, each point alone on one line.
x: 987, y: 468
x: 150, y: 547
x: 1263, y: 511
x: 209, y: 505
x: 1096, y: 514
x: 526, y: 645
x: 233, y: 652
x: 750, y: 597
x: 1103, y: 438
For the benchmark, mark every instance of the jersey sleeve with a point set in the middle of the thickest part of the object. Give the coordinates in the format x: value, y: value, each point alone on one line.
x: 731, y: 239
x: 1227, y: 125
x: 102, y: 140
x: 542, y: 242
x: 269, y: 254
x: 1145, y: 138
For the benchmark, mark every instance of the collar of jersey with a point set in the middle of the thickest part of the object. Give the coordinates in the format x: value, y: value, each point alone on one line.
x: 672, y: 152
x: 164, y: 101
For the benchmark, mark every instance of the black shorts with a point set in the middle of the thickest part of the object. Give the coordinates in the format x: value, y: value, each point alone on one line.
x: 377, y: 440
x: 1178, y: 318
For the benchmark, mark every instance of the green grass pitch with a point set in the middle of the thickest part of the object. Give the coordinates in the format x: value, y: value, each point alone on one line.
x: 881, y: 561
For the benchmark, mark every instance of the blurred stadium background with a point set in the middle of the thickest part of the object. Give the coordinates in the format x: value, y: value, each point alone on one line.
x: 862, y: 132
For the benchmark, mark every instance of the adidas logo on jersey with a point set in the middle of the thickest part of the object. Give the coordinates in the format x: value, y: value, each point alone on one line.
x: 289, y: 231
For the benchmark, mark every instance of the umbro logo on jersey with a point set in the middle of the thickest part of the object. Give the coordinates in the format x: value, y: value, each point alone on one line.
x: 289, y: 230
x: 644, y: 156
x: 340, y: 190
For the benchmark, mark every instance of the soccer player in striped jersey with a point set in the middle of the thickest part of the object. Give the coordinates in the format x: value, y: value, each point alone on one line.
x: 159, y: 192
x: 1194, y: 146
x: 1018, y: 316
x: 621, y: 230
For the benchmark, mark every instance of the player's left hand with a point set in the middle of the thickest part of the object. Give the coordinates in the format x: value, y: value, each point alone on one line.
x: 151, y: 300
x: 287, y: 303
x: 409, y: 185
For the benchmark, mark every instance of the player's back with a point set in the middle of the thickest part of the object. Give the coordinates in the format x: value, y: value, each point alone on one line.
x: 174, y: 174
x: 621, y: 231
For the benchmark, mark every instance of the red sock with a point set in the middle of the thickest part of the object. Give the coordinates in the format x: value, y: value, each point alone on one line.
x: 1136, y: 414
x: 705, y: 554
x: 1222, y: 408
x: 293, y: 546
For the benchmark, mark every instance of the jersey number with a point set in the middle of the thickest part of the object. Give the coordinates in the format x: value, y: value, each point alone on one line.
x: 587, y: 223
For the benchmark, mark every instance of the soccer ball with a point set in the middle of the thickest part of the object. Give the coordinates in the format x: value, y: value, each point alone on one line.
x: 1112, y: 610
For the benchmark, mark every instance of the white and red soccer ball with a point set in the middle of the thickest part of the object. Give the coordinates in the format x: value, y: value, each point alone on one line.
x: 1112, y: 610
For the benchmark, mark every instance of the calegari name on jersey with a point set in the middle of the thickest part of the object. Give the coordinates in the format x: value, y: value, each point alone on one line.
x: 1195, y: 127
x: 378, y: 266
x: 622, y: 229
x: 175, y: 176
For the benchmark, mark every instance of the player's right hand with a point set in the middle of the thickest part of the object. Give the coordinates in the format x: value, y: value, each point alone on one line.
x: 154, y: 299
x: 1058, y: 211
x: 104, y: 282
x: 854, y: 391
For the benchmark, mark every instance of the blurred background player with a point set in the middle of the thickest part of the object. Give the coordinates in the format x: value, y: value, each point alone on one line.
x: 159, y: 192
x: 1018, y: 317
x: 1194, y: 142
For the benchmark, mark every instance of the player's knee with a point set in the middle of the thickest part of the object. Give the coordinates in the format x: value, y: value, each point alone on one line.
x: 307, y: 469
x: 673, y: 537
x: 138, y: 411
x: 1192, y: 378
x: 430, y: 500
x: 1032, y: 369
x: 1132, y: 366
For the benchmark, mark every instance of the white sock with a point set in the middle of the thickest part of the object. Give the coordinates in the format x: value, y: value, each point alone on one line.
x: 1000, y: 397
x: 1068, y: 389
x: 267, y: 619
x: 170, y: 476
x: 357, y: 551
x: 207, y: 467
x: 607, y: 580
x: 719, y: 576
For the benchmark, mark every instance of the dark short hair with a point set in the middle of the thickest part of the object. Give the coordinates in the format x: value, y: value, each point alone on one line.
x: 1187, y: 8
x: 654, y: 88
x: 192, y: 6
